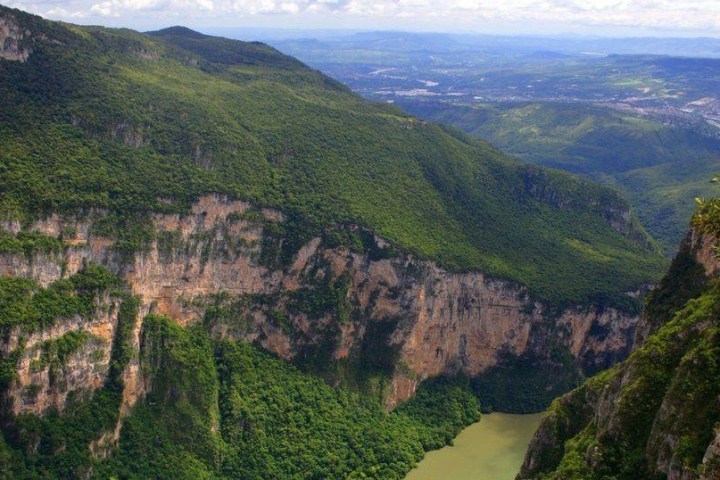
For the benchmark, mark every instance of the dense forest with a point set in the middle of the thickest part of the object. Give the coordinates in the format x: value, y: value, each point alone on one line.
x: 220, y: 409
x: 97, y: 380
x: 135, y: 124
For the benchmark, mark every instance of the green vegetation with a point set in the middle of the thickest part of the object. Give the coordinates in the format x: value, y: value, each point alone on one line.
x: 660, y: 168
x: 225, y: 410
x: 136, y: 124
x: 526, y: 384
x: 441, y: 408
x: 707, y: 217
x: 667, y: 389
x: 228, y: 410
x: 29, y: 243
x: 132, y: 125
x: 676, y: 367
x: 55, y: 445
x: 685, y: 280
x: 24, y: 303
x: 55, y: 353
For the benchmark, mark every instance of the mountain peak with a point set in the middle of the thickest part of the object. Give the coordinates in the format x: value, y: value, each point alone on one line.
x: 178, y: 31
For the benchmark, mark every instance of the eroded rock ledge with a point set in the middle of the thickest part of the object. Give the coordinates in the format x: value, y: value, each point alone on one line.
x: 405, y: 317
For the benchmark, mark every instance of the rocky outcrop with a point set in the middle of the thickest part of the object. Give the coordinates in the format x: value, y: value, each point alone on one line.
x: 44, y: 377
x: 413, y: 318
x: 711, y: 459
x: 13, y: 39
x: 706, y: 252
x: 654, y: 413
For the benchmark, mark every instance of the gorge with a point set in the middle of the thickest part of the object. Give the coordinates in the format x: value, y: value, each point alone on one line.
x: 239, y: 266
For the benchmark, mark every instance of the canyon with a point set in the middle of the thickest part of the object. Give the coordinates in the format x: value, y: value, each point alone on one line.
x: 427, y: 321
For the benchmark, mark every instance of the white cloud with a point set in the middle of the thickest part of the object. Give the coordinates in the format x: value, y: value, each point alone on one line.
x: 700, y: 15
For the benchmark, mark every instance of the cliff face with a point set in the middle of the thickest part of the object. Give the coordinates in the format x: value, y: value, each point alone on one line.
x: 45, y: 378
x: 12, y: 37
x: 654, y: 415
x: 386, y: 313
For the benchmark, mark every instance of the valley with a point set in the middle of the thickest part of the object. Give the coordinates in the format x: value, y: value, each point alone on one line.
x: 215, y: 257
x: 648, y: 125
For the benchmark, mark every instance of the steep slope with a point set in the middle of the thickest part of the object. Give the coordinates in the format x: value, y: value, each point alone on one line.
x: 135, y: 124
x: 660, y: 168
x: 210, y: 199
x: 654, y: 415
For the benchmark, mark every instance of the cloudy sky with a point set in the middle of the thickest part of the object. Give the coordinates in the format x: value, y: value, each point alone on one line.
x: 603, y: 17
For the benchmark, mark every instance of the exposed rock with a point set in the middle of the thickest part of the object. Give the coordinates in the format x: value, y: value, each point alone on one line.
x: 128, y: 134
x: 654, y: 404
x: 711, y: 460
x: 41, y: 385
x: 435, y: 322
x: 706, y: 251
x: 13, y: 40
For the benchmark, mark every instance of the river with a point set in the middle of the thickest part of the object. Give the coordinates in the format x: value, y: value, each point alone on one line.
x: 491, y: 449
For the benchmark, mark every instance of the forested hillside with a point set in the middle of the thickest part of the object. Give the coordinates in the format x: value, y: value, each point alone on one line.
x: 137, y: 124
x: 213, y: 256
x: 656, y: 414
x: 660, y: 168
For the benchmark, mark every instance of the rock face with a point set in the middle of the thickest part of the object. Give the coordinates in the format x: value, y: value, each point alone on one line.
x: 42, y: 382
x: 392, y: 313
x: 13, y: 39
x: 655, y: 413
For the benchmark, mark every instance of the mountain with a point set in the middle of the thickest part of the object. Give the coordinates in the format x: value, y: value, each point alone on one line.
x: 656, y: 414
x: 613, y: 110
x: 214, y: 256
x: 234, y: 120
x: 661, y: 168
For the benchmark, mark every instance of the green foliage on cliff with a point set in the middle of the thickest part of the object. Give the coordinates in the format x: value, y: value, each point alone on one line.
x: 678, y: 369
x: 176, y: 425
x: 57, y: 445
x: 55, y: 353
x: 25, y: 304
x: 684, y: 281
x: 707, y: 217
x: 655, y: 411
x: 526, y: 384
x: 441, y: 408
x: 28, y: 243
x: 228, y: 410
x: 136, y: 124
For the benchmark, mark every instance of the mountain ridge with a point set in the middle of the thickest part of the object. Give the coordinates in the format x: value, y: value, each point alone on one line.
x: 655, y: 414
x: 453, y: 184
x: 226, y: 228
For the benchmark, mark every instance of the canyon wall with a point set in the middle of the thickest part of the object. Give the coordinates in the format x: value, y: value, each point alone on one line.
x: 13, y: 39
x: 386, y: 312
x: 655, y: 414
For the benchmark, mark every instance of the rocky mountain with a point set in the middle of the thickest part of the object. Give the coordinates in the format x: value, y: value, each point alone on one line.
x: 195, y: 230
x: 654, y: 415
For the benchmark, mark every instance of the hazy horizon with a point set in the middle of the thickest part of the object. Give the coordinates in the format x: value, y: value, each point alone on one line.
x: 598, y: 18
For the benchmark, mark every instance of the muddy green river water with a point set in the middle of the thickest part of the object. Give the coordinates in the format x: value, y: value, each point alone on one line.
x: 492, y: 449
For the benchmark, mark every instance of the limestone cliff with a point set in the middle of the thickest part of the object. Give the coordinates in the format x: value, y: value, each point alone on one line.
x: 654, y: 415
x: 392, y: 314
x: 14, y: 40
x: 43, y: 379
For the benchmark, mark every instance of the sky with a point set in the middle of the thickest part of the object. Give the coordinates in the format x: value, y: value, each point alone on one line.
x: 583, y: 17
